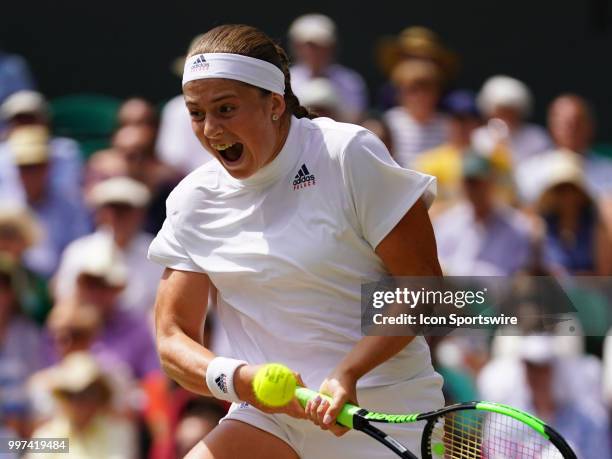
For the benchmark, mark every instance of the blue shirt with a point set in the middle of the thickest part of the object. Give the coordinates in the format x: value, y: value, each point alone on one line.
x: 63, y: 219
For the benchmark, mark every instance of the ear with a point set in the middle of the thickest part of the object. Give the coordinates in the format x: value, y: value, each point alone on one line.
x: 278, y: 104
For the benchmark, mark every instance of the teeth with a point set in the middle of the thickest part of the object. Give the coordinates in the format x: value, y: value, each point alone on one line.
x: 223, y: 146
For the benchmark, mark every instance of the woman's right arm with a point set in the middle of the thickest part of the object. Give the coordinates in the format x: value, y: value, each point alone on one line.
x: 180, y: 312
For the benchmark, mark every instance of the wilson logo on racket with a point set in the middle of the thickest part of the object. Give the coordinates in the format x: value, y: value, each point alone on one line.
x: 303, y: 178
x: 221, y: 382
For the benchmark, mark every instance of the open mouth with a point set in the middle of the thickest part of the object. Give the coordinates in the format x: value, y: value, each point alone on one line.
x: 230, y: 152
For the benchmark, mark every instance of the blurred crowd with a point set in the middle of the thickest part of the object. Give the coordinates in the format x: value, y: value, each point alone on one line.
x: 77, y: 355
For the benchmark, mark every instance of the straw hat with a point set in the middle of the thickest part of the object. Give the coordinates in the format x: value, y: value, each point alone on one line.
x: 29, y: 145
x: 561, y: 166
x: 419, y: 43
x: 17, y: 218
x: 77, y: 372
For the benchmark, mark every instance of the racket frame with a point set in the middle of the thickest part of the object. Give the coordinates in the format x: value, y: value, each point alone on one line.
x: 360, y: 419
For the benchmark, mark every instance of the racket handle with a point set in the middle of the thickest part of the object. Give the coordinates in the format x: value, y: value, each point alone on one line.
x: 345, y: 417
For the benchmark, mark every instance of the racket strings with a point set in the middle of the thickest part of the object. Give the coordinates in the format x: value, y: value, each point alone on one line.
x: 474, y: 434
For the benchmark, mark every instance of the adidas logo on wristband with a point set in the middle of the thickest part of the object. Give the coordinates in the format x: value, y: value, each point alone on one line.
x: 221, y: 382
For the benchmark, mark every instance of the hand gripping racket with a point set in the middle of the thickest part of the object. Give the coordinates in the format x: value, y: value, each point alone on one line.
x: 473, y: 430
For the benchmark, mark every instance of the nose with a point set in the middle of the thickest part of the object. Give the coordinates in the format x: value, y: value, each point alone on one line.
x: 212, y: 128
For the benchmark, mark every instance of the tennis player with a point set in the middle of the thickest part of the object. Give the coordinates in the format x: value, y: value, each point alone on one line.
x: 288, y: 222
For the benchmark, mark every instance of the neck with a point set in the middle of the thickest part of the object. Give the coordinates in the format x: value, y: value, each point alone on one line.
x: 283, y: 133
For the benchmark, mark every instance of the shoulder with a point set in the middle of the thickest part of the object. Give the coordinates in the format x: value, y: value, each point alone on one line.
x: 193, y: 187
x: 340, y: 138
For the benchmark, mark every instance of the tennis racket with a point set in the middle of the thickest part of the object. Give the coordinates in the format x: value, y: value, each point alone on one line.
x: 473, y: 430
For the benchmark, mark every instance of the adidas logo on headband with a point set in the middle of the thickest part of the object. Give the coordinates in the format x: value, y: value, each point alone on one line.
x: 200, y: 64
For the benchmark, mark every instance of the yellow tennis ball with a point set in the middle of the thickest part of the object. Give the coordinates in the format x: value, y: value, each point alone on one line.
x: 274, y: 385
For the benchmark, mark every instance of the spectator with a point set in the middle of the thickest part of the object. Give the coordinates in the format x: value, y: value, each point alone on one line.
x: 29, y: 108
x: 553, y: 389
x: 313, y: 41
x: 14, y: 76
x: 102, y: 165
x: 120, y: 205
x: 445, y: 161
x: 576, y: 239
x: 20, y: 346
x: 62, y: 217
x: 136, y: 144
x: 415, y: 125
x: 414, y: 43
x: 101, y: 277
x: 571, y: 123
x: 176, y: 144
x: 73, y: 327
x: 84, y: 395
x: 506, y: 103
x: 20, y: 230
x: 480, y: 236
x: 137, y: 112
x: 196, y: 420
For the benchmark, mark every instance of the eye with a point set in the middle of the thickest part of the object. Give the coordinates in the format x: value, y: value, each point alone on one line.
x: 226, y: 109
x: 197, y: 115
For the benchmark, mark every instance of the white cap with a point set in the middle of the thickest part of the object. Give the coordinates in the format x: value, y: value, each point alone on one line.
x: 563, y: 166
x: 315, y: 28
x: 100, y: 257
x: 504, y: 91
x: 318, y: 92
x: 75, y: 373
x: 123, y: 190
x: 24, y: 101
x: 18, y: 216
x: 538, y: 349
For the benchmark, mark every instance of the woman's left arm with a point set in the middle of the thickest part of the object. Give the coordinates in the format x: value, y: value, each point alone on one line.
x: 408, y: 250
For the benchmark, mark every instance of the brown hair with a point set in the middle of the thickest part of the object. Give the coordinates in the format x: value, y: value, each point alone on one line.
x: 252, y: 42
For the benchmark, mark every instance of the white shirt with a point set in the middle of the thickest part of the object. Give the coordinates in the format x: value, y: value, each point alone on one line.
x: 288, y: 258
x: 177, y: 145
x: 498, y: 246
x: 143, y: 276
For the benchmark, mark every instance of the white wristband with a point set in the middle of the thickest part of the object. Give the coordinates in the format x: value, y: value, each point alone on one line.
x: 220, y: 378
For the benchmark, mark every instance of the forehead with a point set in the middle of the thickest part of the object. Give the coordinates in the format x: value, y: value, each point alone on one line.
x: 568, y: 107
x: 213, y: 89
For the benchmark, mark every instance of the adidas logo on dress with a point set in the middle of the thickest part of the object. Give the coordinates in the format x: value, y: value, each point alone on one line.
x: 303, y: 178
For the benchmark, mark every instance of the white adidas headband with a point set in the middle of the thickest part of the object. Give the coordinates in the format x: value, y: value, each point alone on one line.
x: 235, y: 67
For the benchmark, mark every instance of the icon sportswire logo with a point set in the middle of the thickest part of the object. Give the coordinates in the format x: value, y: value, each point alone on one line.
x: 303, y: 178
x: 200, y: 64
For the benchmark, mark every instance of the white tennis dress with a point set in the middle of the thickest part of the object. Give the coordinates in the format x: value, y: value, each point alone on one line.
x: 288, y: 249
